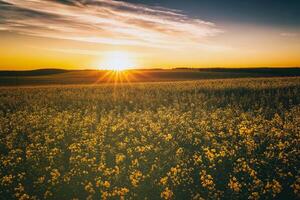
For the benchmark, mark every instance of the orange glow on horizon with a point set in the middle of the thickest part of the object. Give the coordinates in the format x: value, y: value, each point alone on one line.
x: 136, y: 36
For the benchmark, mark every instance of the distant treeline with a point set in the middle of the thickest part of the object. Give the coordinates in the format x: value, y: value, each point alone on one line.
x: 295, y: 71
x: 274, y: 71
x: 60, y: 76
x: 38, y: 72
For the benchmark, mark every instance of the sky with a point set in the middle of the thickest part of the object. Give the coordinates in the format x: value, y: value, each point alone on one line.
x: 100, y: 34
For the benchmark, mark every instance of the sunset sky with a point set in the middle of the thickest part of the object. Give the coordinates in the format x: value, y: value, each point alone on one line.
x: 80, y: 34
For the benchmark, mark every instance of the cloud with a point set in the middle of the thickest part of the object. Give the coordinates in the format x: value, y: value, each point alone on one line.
x: 289, y: 34
x: 69, y: 50
x: 105, y: 21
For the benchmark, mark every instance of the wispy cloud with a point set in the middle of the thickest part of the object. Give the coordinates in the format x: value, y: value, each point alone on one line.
x: 69, y: 50
x: 104, y: 21
x: 289, y: 34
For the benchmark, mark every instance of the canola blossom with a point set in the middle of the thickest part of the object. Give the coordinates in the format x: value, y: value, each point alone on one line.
x: 207, y: 139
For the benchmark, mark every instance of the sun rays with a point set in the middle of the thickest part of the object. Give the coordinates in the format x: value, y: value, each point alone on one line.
x: 116, y: 67
x: 120, y: 77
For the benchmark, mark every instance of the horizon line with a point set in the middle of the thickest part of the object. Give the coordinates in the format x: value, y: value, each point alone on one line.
x: 154, y: 68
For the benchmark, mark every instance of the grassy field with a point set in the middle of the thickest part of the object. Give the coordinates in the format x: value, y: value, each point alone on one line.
x: 205, y: 139
x: 63, y: 77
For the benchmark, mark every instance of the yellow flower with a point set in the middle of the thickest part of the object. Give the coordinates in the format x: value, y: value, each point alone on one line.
x: 120, y: 158
x: 163, y: 180
x: 54, y: 176
x: 136, y: 177
x: 106, y: 184
x: 41, y: 179
x: 6, y: 180
x: 254, y: 196
x: 104, y: 195
x: 24, y: 197
x: 135, y: 162
x: 179, y: 151
x: 123, y: 191
x: 207, y: 180
x: 234, y: 184
x: 89, y: 188
x: 276, y: 187
x: 168, y: 137
x: 166, y: 194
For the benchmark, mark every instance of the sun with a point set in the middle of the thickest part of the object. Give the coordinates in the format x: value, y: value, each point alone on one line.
x: 117, y: 61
